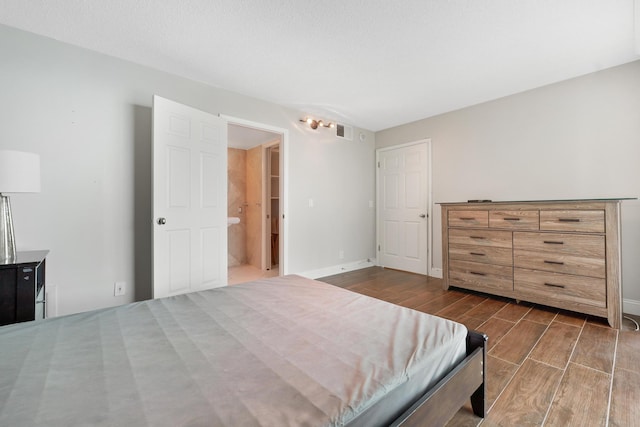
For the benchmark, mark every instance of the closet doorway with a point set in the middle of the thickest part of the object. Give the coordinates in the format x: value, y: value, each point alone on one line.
x: 255, y: 203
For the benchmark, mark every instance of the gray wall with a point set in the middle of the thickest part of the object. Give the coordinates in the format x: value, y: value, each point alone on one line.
x: 89, y: 117
x: 575, y: 139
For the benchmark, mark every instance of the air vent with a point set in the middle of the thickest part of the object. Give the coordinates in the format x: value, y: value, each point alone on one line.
x: 344, y: 131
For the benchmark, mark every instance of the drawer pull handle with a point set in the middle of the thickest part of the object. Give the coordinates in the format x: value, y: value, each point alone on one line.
x: 512, y: 219
x: 569, y: 219
x: 551, y: 242
x: 477, y: 274
x: 477, y: 253
x: 554, y: 262
x: 553, y: 285
x: 477, y: 237
x: 465, y: 218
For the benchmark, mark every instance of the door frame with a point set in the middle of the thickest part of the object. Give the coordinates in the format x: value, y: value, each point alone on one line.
x: 267, y: 261
x: 429, y: 197
x: 284, y: 184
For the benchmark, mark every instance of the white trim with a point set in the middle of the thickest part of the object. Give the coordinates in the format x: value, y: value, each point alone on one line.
x: 631, y: 306
x: 51, y: 301
x: 284, y: 183
x: 636, y: 24
x: 429, y: 174
x: 337, y: 269
x: 266, y: 201
x: 436, y: 272
x: 430, y: 266
x: 254, y: 125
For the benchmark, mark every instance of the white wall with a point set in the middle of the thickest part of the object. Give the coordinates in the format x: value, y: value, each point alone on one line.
x: 89, y: 117
x: 575, y: 139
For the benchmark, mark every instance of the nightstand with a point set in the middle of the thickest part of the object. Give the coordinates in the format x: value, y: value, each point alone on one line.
x: 22, y: 288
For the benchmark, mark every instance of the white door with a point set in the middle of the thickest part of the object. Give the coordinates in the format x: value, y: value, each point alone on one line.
x: 189, y: 199
x: 402, y: 208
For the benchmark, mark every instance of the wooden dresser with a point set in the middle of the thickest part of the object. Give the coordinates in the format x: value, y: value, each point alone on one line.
x: 563, y: 254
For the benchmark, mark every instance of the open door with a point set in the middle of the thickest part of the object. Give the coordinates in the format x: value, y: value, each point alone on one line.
x: 189, y: 199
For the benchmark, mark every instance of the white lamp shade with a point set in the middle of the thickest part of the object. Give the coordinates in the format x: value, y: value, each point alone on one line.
x: 19, y: 172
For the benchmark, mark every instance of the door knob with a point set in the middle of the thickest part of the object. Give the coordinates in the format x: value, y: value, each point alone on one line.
x: 162, y: 221
x: 422, y: 216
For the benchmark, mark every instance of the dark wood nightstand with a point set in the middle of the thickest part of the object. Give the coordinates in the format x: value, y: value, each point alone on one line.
x: 22, y: 288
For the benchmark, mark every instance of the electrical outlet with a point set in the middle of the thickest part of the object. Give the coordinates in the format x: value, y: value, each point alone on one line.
x: 119, y: 288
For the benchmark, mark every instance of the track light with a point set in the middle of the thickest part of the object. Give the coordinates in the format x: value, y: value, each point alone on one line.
x: 315, y: 124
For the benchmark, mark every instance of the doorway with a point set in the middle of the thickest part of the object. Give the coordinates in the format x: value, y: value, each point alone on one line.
x: 255, y: 202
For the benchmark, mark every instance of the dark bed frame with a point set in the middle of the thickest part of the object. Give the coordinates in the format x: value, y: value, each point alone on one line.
x: 467, y: 379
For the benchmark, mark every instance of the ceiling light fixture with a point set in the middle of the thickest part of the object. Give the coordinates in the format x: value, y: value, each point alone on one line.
x: 315, y: 124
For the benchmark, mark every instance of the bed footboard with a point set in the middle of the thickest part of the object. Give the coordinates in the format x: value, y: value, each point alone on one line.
x: 467, y: 379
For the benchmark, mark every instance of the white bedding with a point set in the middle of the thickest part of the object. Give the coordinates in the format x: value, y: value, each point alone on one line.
x: 285, y: 351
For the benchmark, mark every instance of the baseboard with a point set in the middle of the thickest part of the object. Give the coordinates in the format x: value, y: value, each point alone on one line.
x: 436, y: 272
x: 337, y: 269
x: 631, y: 306
x: 51, y: 298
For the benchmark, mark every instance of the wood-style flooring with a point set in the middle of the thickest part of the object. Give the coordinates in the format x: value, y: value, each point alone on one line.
x: 545, y: 367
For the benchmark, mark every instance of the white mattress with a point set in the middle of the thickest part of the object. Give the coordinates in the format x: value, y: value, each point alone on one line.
x: 285, y: 351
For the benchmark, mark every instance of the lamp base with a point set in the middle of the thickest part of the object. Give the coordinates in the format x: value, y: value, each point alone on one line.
x: 7, y: 239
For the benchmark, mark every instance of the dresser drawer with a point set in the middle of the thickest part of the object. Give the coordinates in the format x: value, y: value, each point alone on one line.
x: 591, y: 221
x: 580, y: 266
x: 551, y: 288
x: 468, y: 218
x: 481, y: 277
x: 584, y: 245
x: 515, y: 220
x: 484, y: 254
x: 498, y: 239
x: 579, y: 254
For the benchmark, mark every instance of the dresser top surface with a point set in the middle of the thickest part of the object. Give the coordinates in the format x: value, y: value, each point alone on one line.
x: 511, y: 202
x: 26, y: 257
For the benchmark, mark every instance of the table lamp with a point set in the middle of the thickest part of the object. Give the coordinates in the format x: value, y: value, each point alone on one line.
x: 19, y: 173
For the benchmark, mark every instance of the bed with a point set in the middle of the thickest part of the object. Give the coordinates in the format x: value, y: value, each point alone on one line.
x: 285, y: 351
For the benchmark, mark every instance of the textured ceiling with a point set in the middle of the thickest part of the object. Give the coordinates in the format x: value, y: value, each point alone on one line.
x: 369, y: 63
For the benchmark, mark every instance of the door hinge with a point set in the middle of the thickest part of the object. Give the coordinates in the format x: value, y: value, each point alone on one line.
x: 378, y: 248
x: 378, y: 164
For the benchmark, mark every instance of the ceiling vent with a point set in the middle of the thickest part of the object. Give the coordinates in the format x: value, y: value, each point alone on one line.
x: 344, y: 131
